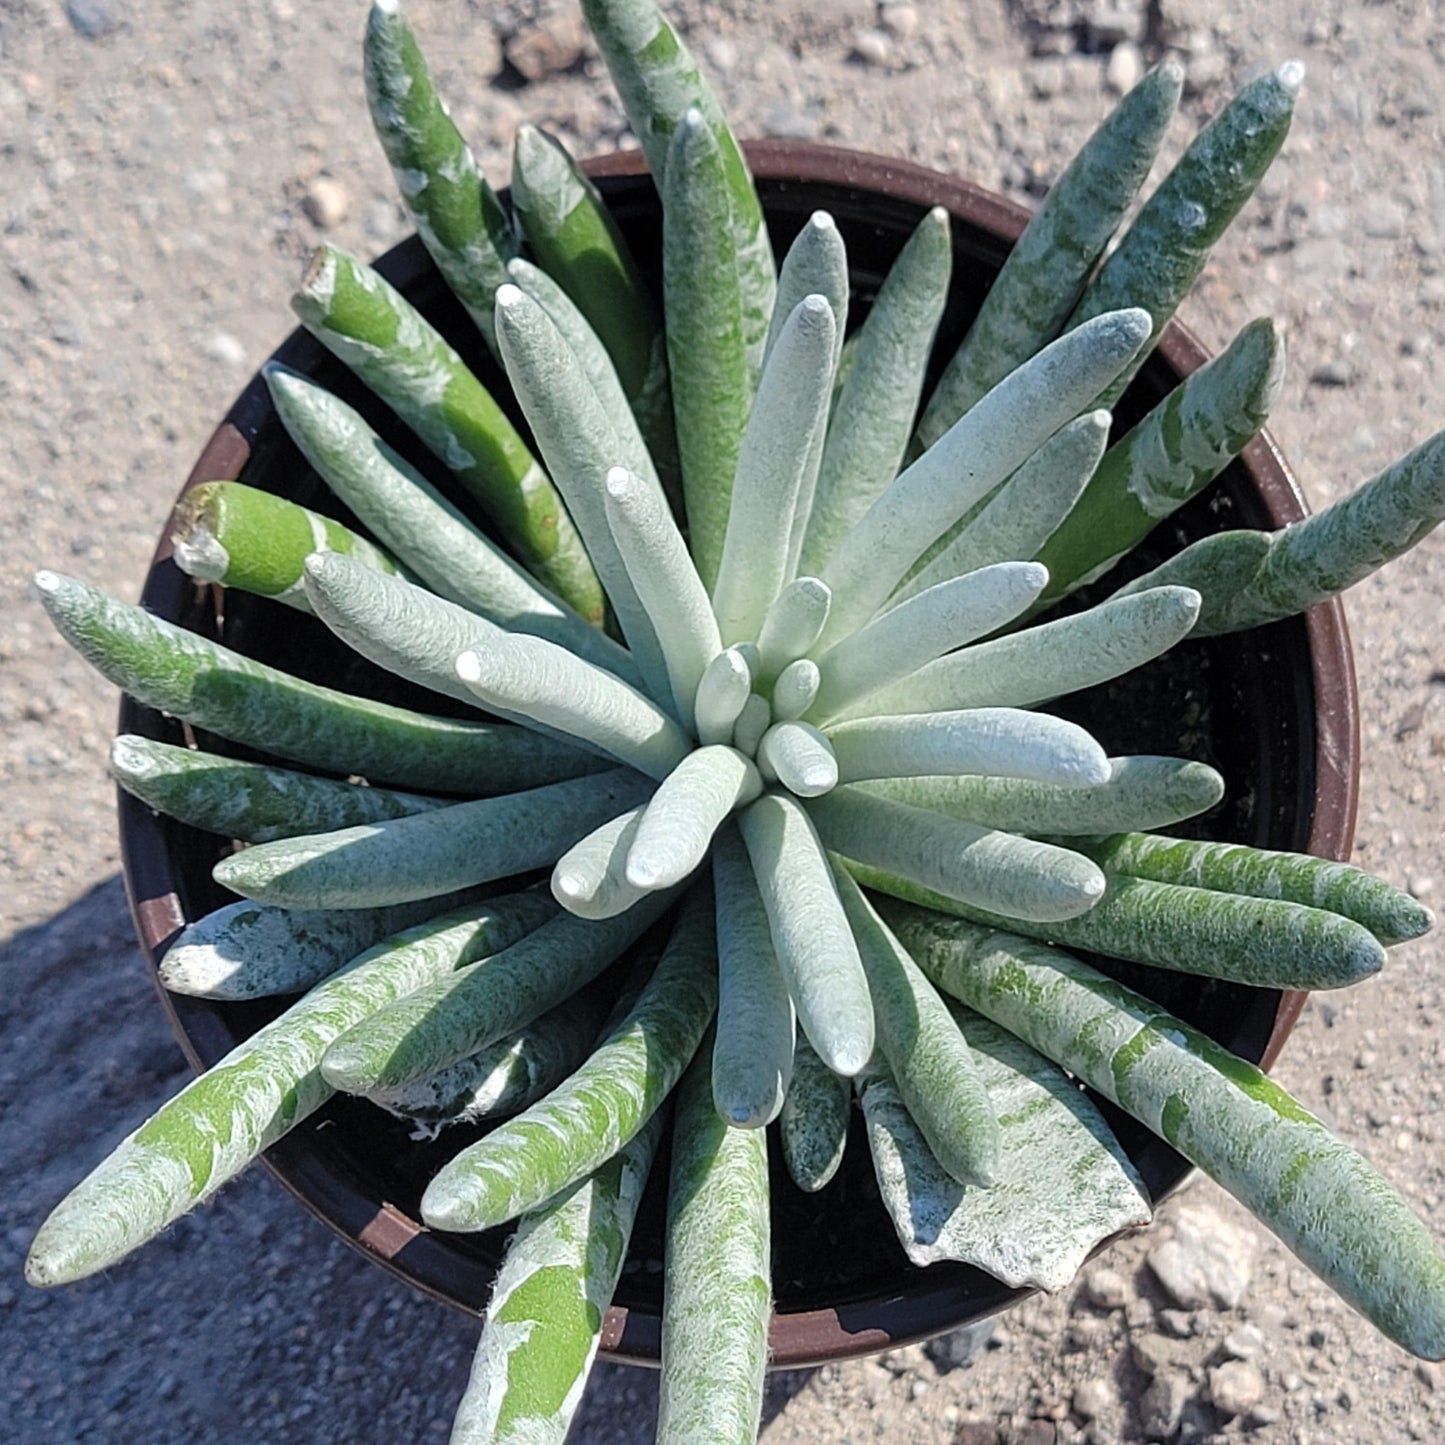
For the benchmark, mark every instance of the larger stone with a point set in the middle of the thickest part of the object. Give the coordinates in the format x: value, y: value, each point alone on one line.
x: 1207, y: 1263
x: 1236, y: 1387
x: 1163, y: 1406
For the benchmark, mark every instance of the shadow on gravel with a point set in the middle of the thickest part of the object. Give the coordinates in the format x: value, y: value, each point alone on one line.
x: 247, y: 1320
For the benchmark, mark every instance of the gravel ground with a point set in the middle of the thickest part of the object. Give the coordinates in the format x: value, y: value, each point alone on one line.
x: 166, y: 167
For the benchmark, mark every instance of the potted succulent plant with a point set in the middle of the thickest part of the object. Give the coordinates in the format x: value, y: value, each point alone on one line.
x: 823, y: 668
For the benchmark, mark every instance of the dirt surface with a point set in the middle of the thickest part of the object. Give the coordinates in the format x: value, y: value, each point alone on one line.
x: 166, y: 167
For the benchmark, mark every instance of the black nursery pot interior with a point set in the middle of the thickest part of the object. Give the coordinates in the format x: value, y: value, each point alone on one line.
x: 1246, y: 704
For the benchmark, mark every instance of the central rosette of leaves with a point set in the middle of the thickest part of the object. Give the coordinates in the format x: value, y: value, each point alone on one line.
x: 797, y: 702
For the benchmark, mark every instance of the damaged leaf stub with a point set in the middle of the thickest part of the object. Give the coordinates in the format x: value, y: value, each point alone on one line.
x: 1064, y: 1184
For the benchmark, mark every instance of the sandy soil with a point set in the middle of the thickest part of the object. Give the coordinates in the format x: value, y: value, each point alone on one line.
x: 166, y: 167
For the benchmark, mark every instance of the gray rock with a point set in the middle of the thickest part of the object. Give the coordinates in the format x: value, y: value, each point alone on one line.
x: 1155, y: 1355
x: 898, y: 19
x: 326, y: 202
x: 724, y: 54
x: 872, y: 47
x: 1125, y: 68
x: 1236, y: 1387
x: 1333, y: 373
x: 1094, y: 1398
x: 959, y: 1348
x: 1106, y: 1289
x: 549, y: 48
x: 789, y: 123
x: 94, y: 18
x: 1162, y: 1406
x: 1245, y: 1343
x: 1179, y: 1323
x: 1386, y: 221
x: 1208, y: 1262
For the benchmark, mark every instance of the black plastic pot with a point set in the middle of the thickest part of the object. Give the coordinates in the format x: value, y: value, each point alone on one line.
x: 1274, y: 710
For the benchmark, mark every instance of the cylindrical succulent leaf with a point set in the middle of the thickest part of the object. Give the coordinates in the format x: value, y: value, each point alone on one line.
x: 254, y: 950
x: 1389, y: 913
x: 659, y: 83
x: 453, y: 1015
x: 1017, y: 519
x: 419, y: 636
x: 811, y: 937
x: 1142, y: 792
x: 503, y: 1078
x: 978, y: 867
x: 421, y: 856
x: 712, y: 388
x: 875, y: 411
x: 912, y: 634
x: 366, y: 322
x: 1003, y: 742
x: 1262, y: 942
x: 927, y: 1054
x: 203, y: 683
x: 791, y: 406
x: 1047, y: 661
x: 1176, y: 451
x: 1315, y: 1192
x: 1162, y: 253
x: 752, y: 1056
x: 240, y: 537
x: 717, y: 1291
x: 993, y: 440
x: 1311, y: 560
x: 586, y: 1120
x: 579, y: 246
x: 252, y: 802
x: 551, y: 686
x: 579, y: 441
x: 544, y: 1319
x: 813, y: 1126
x: 458, y: 217
x: 1032, y: 296
x: 263, y: 1088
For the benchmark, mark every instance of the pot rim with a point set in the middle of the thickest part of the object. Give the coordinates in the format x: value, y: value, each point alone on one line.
x: 816, y: 1336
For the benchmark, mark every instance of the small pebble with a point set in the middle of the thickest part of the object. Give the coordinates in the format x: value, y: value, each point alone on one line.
x: 326, y: 203
x: 225, y: 348
x: 898, y: 19
x: 551, y: 48
x: 959, y: 1347
x: 1333, y: 373
x: 1422, y: 887
x: 872, y: 47
x: 1162, y: 1406
x: 1106, y: 1289
x: 724, y: 54
x: 1385, y: 221
x: 1245, y: 1343
x: 1236, y: 1387
x: 384, y: 224
x: 1178, y: 1323
x: 1094, y: 1398
x: 94, y: 18
x: 1125, y: 68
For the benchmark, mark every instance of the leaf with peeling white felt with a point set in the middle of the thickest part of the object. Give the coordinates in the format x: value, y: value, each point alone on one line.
x: 1064, y: 1182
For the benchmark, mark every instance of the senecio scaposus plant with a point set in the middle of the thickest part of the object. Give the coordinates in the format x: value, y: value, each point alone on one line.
x: 768, y: 651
